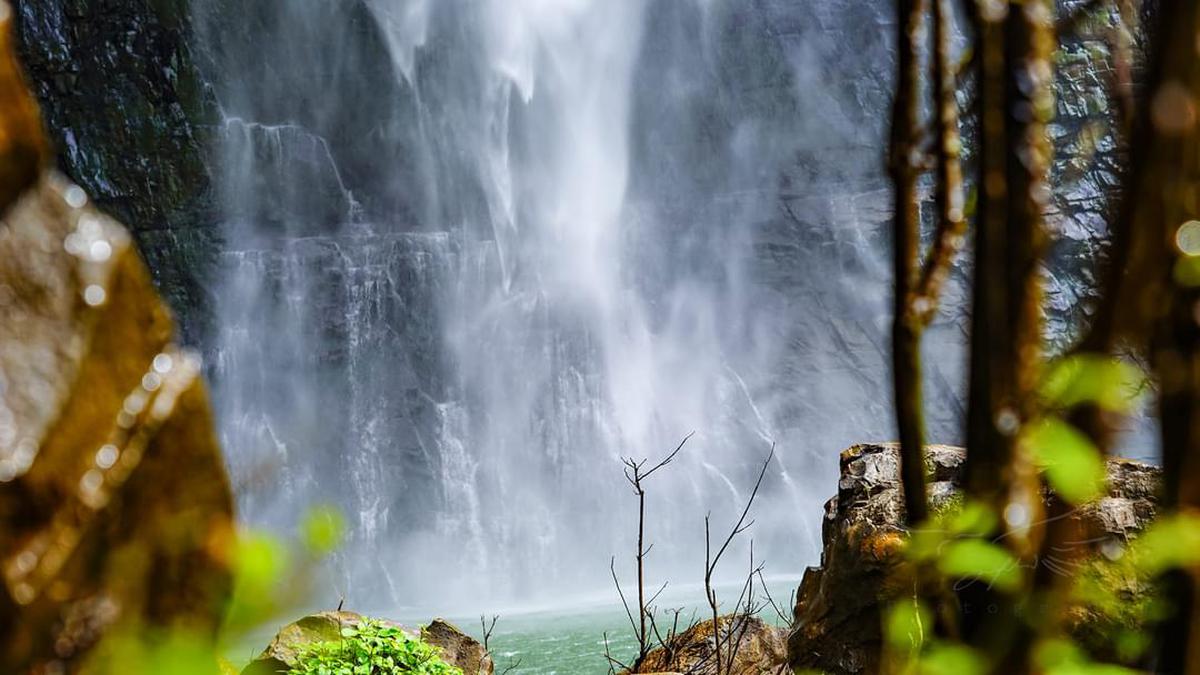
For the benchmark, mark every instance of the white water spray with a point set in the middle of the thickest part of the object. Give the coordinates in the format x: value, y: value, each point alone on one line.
x: 478, y: 250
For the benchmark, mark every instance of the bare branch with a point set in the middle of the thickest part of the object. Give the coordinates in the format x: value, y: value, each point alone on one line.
x: 712, y: 560
x: 656, y: 594
x: 775, y: 606
x: 636, y: 476
x: 613, y: 662
x: 741, y: 525
x: 487, y: 630
x: 669, y: 458
x: 612, y: 567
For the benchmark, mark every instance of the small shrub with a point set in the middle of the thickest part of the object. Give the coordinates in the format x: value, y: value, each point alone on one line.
x: 372, y: 648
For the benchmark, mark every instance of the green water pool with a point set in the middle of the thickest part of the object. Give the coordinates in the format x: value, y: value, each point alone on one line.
x: 566, y: 640
x: 571, y: 642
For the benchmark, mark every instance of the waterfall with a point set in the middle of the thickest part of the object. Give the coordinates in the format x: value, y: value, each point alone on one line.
x: 477, y: 251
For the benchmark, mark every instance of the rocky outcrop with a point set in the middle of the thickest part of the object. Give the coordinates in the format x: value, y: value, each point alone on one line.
x: 115, y: 508
x: 133, y: 121
x: 457, y: 648
x: 761, y: 649
x: 837, y: 612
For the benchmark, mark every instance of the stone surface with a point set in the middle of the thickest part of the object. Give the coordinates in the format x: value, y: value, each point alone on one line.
x: 113, y: 494
x: 458, y: 648
x: 762, y: 649
x: 837, y: 612
x: 114, y: 503
x: 133, y: 121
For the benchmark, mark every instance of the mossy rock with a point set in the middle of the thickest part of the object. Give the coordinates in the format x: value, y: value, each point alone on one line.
x: 283, y: 653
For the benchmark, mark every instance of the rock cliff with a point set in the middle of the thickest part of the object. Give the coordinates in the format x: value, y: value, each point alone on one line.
x: 838, y: 605
x: 132, y: 121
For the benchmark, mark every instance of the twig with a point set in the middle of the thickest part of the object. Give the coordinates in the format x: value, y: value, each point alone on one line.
x: 766, y: 591
x: 636, y: 473
x: 612, y: 568
x: 487, y: 630
x: 711, y: 561
x: 613, y: 662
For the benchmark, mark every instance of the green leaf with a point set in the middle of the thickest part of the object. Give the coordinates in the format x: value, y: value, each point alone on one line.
x: 949, y: 659
x: 1107, y: 382
x: 259, y: 562
x: 1070, y: 461
x: 982, y: 560
x: 322, y: 529
x: 1187, y: 272
x: 974, y: 519
x: 1170, y: 542
x: 906, y: 624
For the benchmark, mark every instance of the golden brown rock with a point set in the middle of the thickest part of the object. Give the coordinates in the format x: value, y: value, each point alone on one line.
x: 23, y: 148
x: 458, y: 648
x: 114, y: 504
x: 112, y: 488
x: 839, y: 605
x: 761, y: 650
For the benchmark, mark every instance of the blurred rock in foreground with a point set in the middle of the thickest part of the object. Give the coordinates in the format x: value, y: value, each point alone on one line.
x: 114, y: 504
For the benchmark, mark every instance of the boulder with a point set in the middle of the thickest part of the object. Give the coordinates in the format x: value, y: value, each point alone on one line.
x: 762, y: 649
x: 114, y: 503
x: 458, y: 648
x: 838, y: 605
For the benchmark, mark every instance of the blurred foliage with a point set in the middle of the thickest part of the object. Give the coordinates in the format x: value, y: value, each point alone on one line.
x: 1107, y: 382
x: 272, y: 577
x: 322, y: 529
x: 1114, y: 593
x: 1069, y: 460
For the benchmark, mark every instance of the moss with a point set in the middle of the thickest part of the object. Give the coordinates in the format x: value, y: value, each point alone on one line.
x: 948, y: 506
x: 1113, y: 608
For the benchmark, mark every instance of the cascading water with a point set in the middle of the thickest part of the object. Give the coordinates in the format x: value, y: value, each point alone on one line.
x: 478, y: 250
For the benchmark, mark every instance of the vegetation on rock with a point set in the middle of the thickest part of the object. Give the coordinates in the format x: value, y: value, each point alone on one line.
x: 372, y: 647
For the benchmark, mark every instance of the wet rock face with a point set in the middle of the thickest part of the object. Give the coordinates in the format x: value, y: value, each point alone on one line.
x: 132, y: 122
x: 837, y: 613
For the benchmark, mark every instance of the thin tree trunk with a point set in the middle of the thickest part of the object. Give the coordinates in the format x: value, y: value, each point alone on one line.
x: 1164, y: 205
x: 906, y: 357
x: 1015, y: 103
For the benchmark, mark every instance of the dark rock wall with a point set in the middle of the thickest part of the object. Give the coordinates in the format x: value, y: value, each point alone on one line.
x: 132, y: 120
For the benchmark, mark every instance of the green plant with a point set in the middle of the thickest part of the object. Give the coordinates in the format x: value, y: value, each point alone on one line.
x: 372, y: 648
